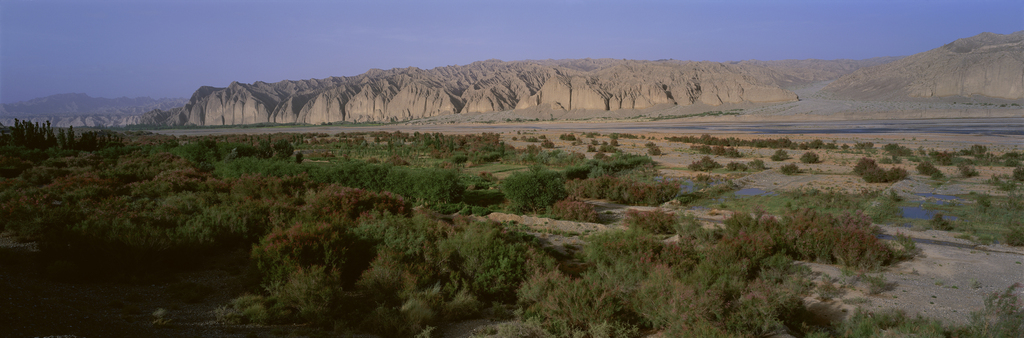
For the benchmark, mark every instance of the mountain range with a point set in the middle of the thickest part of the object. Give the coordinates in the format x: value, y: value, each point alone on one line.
x: 494, y: 85
x: 984, y: 67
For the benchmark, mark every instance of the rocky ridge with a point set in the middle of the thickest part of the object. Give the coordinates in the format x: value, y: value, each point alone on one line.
x: 988, y: 64
x: 484, y: 86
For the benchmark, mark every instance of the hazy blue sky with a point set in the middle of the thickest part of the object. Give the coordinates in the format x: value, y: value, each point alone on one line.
x: 168, y: 48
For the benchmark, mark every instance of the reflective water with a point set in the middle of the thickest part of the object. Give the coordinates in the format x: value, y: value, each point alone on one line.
x: 754, y: 192
x: 919, y: 212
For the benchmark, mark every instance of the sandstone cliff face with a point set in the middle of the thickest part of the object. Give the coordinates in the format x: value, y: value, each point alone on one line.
x: 486, y: 86
x: 986, y: 64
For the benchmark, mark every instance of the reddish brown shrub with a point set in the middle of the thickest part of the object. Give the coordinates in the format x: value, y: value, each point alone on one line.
x: 656, y: 221
x: 573, y: 210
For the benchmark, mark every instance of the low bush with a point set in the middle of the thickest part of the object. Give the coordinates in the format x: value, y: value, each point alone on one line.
x: 704, y: 164
x: 967, y: 171
x: 1003, y: 315
x: 574, y: 210
x: 847, y: 239
x: 867, y: 169
x: 623, y: 190
x: 939, y: 222
x: 1016, y: 235
x: 929, y: 169
x: 942, y: 157
x: 790, y: 169
x: 656, y: 221
x: 780, y: 155
x: 810, y: 157
x: 1018, y: 173
x: 757, y: 165
x: 736, y: 166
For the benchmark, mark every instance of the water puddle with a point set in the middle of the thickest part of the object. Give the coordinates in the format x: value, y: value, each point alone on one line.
x: 686, y: 187
x: 919, y: 212
x: 754, y: 192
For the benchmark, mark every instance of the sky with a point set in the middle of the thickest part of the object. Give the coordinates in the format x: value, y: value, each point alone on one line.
x: 164, y: 48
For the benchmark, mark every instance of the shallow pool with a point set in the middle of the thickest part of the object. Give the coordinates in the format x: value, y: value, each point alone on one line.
x: 919, y: 212
x: 754, y: 192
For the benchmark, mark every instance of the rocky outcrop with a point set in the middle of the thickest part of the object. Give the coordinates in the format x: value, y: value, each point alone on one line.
x: 987, y: 64
x: 485, y: 86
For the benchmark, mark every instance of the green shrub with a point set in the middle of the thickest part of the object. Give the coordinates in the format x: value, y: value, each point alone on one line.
x: 790, y: 169
x: 1018, y: 173
x: 809, y: 157
x: 492, y: 261
x: 535, y: 189
x: 897, y: 150
x: 928, y: 169
x: 704, y: 164
x: 867, y: 169
x: 198, y: 152
x: 576, y: 172
x: 1003, y: 315
x: 757, y: 164
x: 1016, y: 236
x: 889, y: 322
x: 967, y: 171
x: 736, y: 166
x: 283, y: 149
x: 780, y: 155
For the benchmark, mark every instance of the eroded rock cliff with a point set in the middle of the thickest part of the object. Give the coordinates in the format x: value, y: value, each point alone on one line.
x: 485, y: 86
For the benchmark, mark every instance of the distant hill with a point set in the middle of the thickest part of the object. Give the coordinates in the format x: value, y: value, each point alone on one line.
x: 82, y: 104
x: 578, y: 85
x: 795, y: 73
x: 83, y: 110
x: 987, y: 64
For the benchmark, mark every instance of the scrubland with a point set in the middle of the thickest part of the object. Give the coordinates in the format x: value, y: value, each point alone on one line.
x: 398, y: 234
